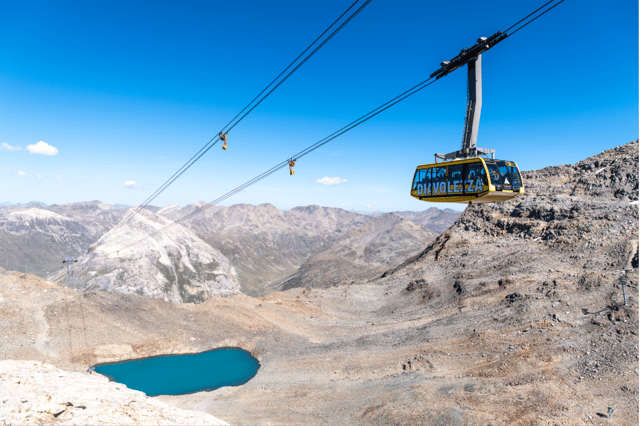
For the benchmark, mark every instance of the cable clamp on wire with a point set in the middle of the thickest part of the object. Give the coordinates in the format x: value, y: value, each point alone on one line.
x: 223, y: 138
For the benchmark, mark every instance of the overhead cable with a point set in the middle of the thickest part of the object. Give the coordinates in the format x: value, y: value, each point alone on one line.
x: 325, y: 140
x: 300, y: 154
x: 530, y: 21
x: 251, y: 105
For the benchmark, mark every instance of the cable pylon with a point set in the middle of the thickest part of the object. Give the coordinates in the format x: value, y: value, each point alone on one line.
x: 70, y: 260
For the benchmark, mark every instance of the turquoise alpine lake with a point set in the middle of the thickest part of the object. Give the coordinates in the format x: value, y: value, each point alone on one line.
x: 183, y: 374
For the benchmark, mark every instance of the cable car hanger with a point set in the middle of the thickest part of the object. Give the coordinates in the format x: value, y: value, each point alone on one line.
x: 468, y: 178
x: 472, y: 57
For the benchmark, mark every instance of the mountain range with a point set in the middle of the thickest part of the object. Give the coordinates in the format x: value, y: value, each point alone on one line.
x: 255, y: 247
x: 523, y: 312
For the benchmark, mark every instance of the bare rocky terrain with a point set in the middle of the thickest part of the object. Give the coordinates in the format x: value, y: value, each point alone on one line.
x: 36, y: 238
x: 262, y: 244
x: 34, y: 392
x: 153, y: 257
x: 361, y: 254
x: 515, y: 315
x: 433, y: 218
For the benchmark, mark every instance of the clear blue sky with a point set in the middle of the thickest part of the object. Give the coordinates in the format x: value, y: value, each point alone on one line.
x: 126, y: 91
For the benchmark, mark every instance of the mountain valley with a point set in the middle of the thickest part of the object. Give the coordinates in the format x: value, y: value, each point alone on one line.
x: 521, y: 312
x: 261, y: 244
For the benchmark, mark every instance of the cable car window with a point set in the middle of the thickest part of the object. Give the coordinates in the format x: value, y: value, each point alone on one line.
x: 474, y: 177
x: 494, y: 173
x: 426, y: 182
x: 505, y: 178
x: 422, y: 181
x: 418, y: 178
x: 455, y: 179
x: 515, y: 176
x: 439, y: 181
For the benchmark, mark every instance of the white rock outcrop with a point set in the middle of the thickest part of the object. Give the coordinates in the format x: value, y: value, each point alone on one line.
x: 33, y: 392
x: 153, y: 256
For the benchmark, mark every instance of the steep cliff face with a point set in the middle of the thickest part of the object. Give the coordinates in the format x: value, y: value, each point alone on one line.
x: 173, y: 264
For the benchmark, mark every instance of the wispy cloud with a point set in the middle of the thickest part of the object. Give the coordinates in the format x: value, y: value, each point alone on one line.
x: 39, y: 176
x: 42, y: 148
x: 330, y: 181
x: 22, y: 174
x: 6, y: 147
x: 130, y: 184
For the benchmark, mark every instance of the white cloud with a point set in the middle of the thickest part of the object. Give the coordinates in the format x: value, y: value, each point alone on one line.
x: 6, y: 147
x: 42, y: 148
x: 58, y: 177
x: 22, y: 174
x: 131, y: 184
x: 39, y: 176
x: 330, y: 181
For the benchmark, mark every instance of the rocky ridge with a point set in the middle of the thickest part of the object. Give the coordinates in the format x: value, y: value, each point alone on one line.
x: 34, y: 392
x: 36, y: 239
x: 266, y: 245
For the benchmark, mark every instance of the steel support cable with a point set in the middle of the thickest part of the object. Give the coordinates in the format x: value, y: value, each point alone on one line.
x: 366, y: 3
x: 215, y: 139
x: 290, y: 65
x: 551, y: 1
x: 327, y: 139
x: 300, y: 154
x: 165, y: 185
x: 326, y: 40
x: 522, y: 26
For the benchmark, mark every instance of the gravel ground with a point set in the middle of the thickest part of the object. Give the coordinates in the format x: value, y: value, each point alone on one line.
x: 515, y: 316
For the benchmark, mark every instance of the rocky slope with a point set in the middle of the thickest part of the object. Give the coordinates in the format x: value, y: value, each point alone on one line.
x: 264, y: 243
x: 95, y: 215
x: 173, y: 264
x: 38, y: 393
x: 36, y: 237
x: 361, y: 254
x: 433, y: 218
x: 36, y: 240
x: 514, y: 316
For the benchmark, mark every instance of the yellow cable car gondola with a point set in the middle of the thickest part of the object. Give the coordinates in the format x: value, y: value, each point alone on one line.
x: 471, y: 180
x: 468, y: 177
